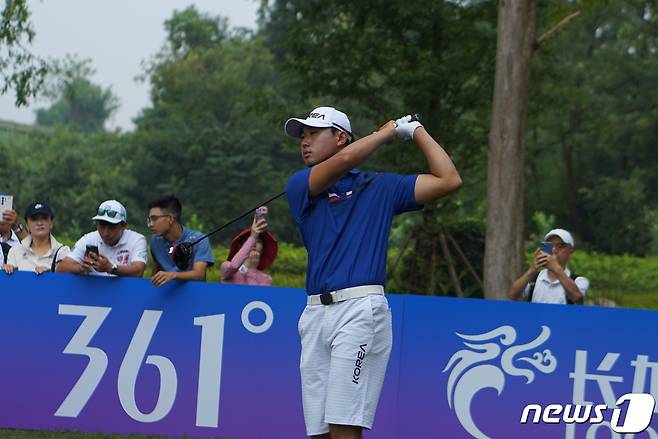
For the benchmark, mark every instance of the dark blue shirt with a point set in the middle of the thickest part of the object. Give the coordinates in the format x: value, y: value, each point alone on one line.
x: 200, y: 252
x: 346, y: 228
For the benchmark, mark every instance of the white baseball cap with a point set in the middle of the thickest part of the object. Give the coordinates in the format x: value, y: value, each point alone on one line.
x: 111, y: 211
x: 562, y: 234
x: 321, y: 117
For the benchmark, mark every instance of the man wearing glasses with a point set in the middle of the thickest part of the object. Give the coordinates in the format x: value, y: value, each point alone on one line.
x: 548, y: 280
x: 112, y: 250
x: 164, y: 220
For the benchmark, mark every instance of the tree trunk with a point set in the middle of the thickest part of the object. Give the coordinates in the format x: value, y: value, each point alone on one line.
x: 451, y: 265
x: 503, y: 258
x: 571, y: 185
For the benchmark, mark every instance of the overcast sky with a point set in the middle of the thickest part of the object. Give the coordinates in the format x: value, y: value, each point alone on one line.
x: 117, y: 35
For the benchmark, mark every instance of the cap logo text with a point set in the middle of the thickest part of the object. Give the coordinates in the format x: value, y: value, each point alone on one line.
x: 316, y: 116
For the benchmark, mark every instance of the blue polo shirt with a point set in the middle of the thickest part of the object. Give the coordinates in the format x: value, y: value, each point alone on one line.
x: 346, y: 228
x: 200, y: 252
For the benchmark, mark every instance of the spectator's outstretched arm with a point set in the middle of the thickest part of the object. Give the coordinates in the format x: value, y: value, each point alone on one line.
x: 570, y: 288
x: 11, y: 217
x: 324, y: 174
x: 198, y: 272
x: 136, y: 269
x: 229, y: 268
x: 155, y: 267
x: 68, y: 265
x: 516, y: 290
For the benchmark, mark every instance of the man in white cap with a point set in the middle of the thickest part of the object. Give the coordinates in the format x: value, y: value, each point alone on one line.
x: 112, y: 250
x: 344, y: 216
x: 548, y: 280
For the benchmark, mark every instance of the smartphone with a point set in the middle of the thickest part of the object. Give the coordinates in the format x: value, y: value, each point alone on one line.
x: 261, y: 213
x: 91, y: 249
x: 6, y: 203
x: 546, y: 247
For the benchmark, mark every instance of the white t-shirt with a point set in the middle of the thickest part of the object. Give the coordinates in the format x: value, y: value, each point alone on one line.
x: 548, y: 291
x: 23, y: 257
x: 130, y: 248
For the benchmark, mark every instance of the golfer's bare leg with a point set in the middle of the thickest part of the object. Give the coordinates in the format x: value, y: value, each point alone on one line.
x: 345, y: 431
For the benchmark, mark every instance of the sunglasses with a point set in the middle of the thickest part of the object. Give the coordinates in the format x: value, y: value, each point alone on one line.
x: 153, y: 218
x: 109, y: 212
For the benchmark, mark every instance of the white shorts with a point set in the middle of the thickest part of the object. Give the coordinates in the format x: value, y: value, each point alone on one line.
x: 345, y: 350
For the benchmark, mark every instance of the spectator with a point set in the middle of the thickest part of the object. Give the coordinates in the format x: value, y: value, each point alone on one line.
x: 252, y: 251
x: 555, y: 283
x: 164, y: 220
x: 112, y: 250
x: 39, y: 251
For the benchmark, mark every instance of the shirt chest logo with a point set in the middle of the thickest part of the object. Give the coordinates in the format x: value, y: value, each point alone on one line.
x: 123, y: 257
x: 335, y: 198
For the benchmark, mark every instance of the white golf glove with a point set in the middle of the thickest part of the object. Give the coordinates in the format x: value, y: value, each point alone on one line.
x: 404, y: 127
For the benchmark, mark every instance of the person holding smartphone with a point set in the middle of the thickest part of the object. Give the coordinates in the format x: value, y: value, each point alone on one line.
x: 11, y: 230
x: 111, y: 250
x: 39, y: 251
x: 252, y: 251
x: 548, y: 280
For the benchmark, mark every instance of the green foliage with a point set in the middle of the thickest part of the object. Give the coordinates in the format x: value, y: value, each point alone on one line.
x: 208, y: 136
x: 542, y: 224
x: 76, y: 100
x: 21, y: 70
x: 380, y: 61
x: 423, y: 268
x: 618, y: 275
x: 594, y: 127
x: 212, y: 134
x: 70, y: 171
x: 189, y: 29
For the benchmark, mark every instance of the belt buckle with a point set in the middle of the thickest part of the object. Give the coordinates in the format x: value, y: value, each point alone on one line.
x: 326, y: 299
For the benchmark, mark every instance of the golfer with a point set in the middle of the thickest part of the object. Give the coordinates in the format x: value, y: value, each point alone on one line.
x: 344, y: 216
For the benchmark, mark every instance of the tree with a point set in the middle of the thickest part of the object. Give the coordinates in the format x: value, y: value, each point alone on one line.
x: 208, y: 135
x: 505, y: 170
x: 77, y: 101
x: 594, y: 119
x: 378, y: 61
x: 21, y: 70
x: 507, y: 149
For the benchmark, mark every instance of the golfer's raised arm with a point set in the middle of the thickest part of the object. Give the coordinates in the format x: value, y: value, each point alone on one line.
x: 324, y: 174
x: 444, y: 177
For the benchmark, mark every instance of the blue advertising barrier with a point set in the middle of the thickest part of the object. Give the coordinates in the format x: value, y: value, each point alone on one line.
x: 211, y: 360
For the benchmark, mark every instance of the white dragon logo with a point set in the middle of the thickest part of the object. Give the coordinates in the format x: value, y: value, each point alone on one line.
x: 469, y: 375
